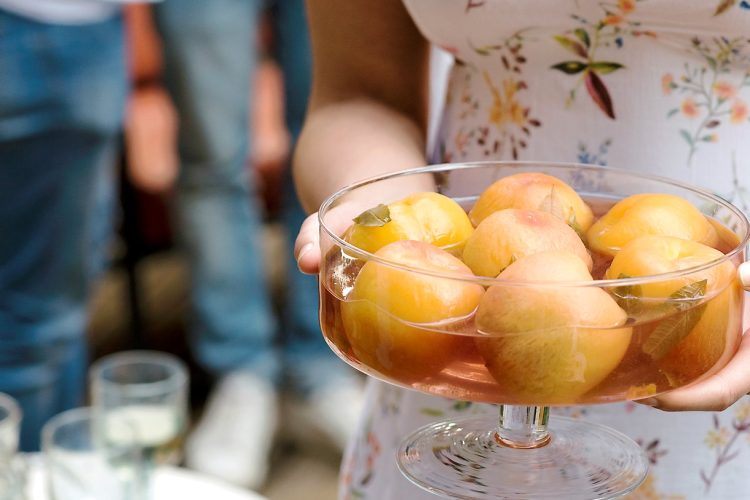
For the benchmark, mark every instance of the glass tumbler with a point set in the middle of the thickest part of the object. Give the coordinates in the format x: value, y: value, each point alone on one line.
x: 145, y: 390
x: 82, y: 465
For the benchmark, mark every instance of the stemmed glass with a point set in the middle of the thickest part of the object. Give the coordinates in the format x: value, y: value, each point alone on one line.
x: 535, y: 360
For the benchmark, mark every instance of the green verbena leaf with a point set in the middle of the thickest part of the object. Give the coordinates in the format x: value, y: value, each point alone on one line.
x: 673, y: 330
x: 629, y: 297
x: 374, y: 217
x: 689, y: 292
x: 575, y: 226
x: 552, y: 204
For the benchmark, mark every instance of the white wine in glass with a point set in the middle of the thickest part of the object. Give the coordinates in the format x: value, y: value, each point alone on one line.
x: 146, y: 391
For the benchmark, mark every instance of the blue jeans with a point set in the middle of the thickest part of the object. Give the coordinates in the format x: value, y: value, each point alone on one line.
x: 62, y: 94
x: 209, y: 59
x: 209, y: 67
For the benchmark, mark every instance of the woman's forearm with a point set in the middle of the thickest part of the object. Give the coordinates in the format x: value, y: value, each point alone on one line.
x: 354, y: 139
x: 367, y: 115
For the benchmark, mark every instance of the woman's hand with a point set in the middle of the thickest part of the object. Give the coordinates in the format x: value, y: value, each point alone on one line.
x: 307, y: 245
x: 717, y: 392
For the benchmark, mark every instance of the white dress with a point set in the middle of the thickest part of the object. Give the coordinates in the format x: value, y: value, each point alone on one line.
x: 661, y: 86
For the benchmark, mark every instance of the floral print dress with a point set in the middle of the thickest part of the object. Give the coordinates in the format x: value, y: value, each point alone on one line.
x: 660, y: 86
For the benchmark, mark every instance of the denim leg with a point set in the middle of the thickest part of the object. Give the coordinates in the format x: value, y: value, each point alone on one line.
x: 45, y: 388
x: 309, y: 362
x: 293, y: 53
x: 61, y: 107
x: 209, y: 58
x: 54, y: 209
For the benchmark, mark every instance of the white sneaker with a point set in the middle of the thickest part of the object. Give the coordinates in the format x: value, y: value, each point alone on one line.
x: 328, y: 417
x: 233, y: 439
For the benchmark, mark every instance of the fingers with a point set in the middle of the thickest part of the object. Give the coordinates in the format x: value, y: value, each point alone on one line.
x: 717, y: 392
x: 307, y: 246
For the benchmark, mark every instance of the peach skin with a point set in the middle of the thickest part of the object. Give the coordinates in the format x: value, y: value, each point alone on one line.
x: 427, y: 216
x: 644, y: 214
x: 550, y: 344
x: 508, y: 235
x: 534, y: 191
x: 699, y: 313
x: 383, y: 312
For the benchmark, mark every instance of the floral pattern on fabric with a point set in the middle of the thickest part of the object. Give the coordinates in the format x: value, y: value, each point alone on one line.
x: 712, y: 95
x: 725, y: 5
x: 740, y: 196
x: 724, y: 440
x: 473, y: 4
x: 594, y: 157
x: 509, y: 123
x: 585, y: 42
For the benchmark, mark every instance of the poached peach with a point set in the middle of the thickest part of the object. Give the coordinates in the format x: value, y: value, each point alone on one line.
x: 546, y: 343
x: 534, y: 191
x: 508, y: 235
x: 696, y: 316
x: 649, y: 214
x: 389, y: 312
x: 427, y: 216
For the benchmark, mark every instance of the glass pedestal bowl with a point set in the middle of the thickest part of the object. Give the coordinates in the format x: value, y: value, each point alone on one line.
x: 414, y: 318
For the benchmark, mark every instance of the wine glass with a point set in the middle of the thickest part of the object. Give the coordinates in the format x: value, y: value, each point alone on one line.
x: 525, y: 344
x: 145, y: 390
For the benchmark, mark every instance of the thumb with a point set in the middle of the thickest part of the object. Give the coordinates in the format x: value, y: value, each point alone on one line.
x: 307, y: 246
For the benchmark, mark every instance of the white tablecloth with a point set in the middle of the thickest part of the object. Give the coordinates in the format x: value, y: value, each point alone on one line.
x: 170, y: 483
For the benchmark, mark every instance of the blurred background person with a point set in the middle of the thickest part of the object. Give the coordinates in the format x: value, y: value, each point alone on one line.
x: 62, y: 92
x: 210, y: 56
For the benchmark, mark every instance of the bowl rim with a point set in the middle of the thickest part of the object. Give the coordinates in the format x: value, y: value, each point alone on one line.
x: 488, y: 281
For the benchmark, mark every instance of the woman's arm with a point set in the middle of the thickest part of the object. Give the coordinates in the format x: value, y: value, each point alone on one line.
x: 368, y: 107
